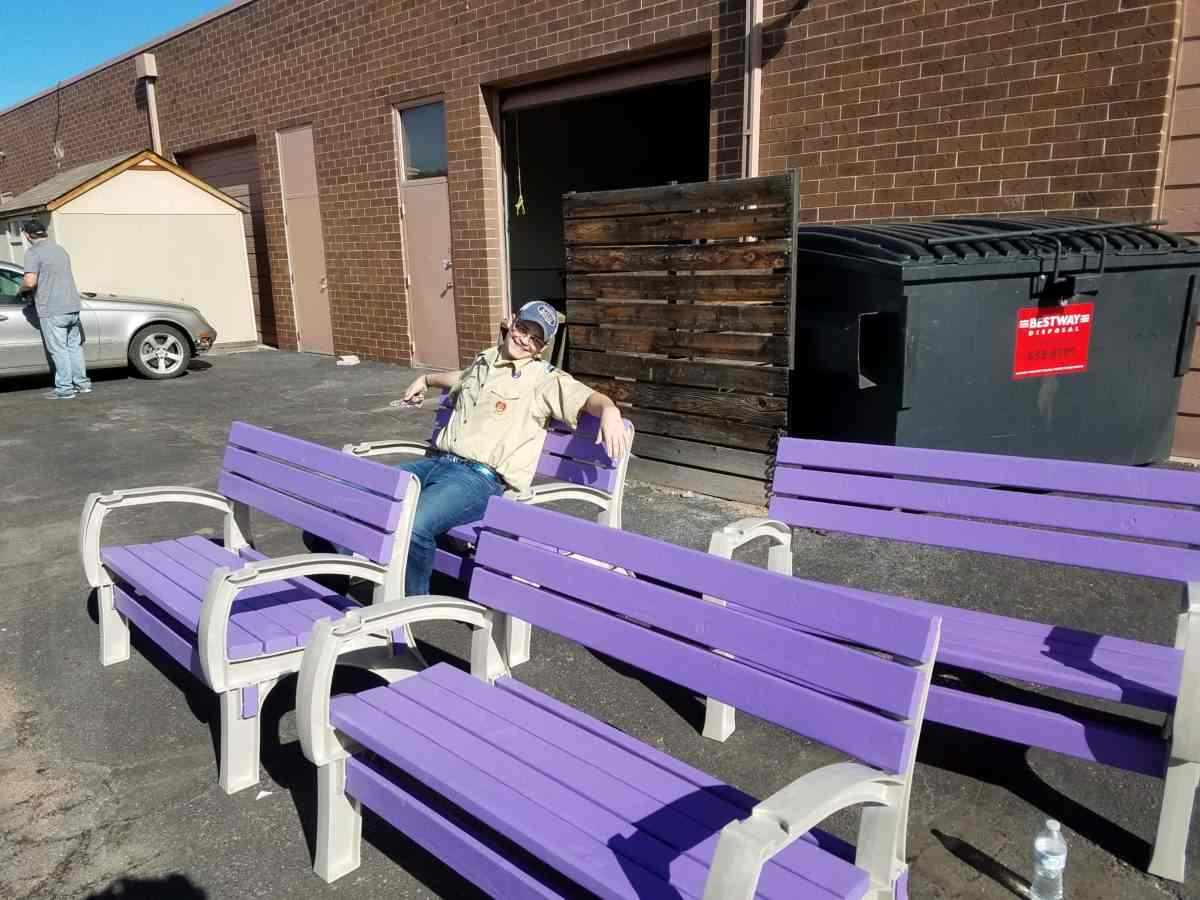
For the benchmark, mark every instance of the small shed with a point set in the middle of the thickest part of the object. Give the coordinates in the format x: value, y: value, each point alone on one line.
x: 140, y: 226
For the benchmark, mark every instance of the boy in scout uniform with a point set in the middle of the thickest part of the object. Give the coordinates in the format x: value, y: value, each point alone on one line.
x: 503, y: 403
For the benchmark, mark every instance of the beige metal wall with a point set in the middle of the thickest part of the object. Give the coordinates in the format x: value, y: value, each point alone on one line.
x: 1181, y: 201
x: 153, y: 234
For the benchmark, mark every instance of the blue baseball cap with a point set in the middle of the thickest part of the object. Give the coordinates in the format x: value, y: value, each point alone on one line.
x: 542, y: 314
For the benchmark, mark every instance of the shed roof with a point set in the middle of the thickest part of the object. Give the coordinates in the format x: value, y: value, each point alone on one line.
x: 66, y: 186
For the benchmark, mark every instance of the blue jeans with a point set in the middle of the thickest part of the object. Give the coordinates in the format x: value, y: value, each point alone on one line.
x: 451, y: 494
x: 64, y: 342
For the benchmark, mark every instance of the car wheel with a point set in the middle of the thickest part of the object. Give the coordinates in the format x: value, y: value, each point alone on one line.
x: 160, y: 351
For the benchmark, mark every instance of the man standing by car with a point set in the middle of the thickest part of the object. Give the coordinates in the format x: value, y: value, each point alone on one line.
x: 48, y: 276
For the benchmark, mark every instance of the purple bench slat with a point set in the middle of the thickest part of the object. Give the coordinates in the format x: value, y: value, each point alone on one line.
x: 275, y: 603
x: 816, y: 662
x: 544, y: 801
x: 342, y: 497
x: 497, y: 805
x: 873, y: 624
x: 1090, y: 515
x: 587, y: 474
x: 1101, y: 479
x: 578, y: 445
x: 374, y: 544
x: 672, y: 821
x: 868, y: 736
x: 141, y: 616
x: 1106, y: 554
x: 365, y: 473
x: 473, y: 858
x: 660, y: 777
x: 273, y: 637
x: 1135, y: 749
x: 325, y: 595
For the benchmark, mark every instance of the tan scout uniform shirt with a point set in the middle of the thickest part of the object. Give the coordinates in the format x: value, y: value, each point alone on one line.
x: 501, y: 420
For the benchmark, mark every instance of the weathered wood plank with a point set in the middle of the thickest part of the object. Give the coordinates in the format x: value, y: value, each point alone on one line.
x: 762, y: 191
x: 758, y: 409
x: 705, y: 317
x: 759, y: 348
x: 696, y: 288
x: 700, y: 428
x: 681, y: 257
x: 705, y: 456
x: 748, y: 379
x: 682, y: 226
x: 700, y: 481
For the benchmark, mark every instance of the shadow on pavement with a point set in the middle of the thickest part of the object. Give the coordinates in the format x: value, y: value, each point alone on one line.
x: 984, y: 864
x: 173, y: 887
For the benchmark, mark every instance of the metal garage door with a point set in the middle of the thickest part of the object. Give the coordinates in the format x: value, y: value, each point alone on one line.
x: 233, y: 168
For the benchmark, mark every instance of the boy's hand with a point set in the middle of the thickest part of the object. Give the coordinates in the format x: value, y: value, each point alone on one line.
x: 415, y: 394
x: 612, y: 434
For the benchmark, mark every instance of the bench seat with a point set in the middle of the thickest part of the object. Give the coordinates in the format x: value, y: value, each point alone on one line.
x: 168, y: 580
x: 617, y: 816
x: 1095, y: 665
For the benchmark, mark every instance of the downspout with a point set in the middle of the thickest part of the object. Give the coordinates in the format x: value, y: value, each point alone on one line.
x: 752, y: 88
x: 147, y: 70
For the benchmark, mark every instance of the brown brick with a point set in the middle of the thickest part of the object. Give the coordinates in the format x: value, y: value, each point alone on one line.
x: 1115, y: 162
x: 1003, y: 171
x: 1071, y: 183
x: 978, y: 189
x: 934, y: 192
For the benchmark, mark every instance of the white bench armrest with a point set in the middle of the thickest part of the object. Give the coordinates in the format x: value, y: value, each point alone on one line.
x: 97, y: 507
x: 385, y: 448
x: 787, y: 815
x: 727, y: 540
x: 551, y: 492
x: 318, y: 739
x: 224, y: 585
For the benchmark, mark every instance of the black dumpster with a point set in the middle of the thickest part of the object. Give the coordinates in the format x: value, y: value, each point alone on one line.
x: 1054, y: 337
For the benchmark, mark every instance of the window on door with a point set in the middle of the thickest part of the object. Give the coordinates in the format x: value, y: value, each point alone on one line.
x: 10, y: 288
x: 423, y: 139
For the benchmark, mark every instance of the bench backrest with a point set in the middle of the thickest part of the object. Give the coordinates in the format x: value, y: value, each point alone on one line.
x: 356, y: 503
x: 839, y: 669
x: 571, y: 456
x: 1117, y: 518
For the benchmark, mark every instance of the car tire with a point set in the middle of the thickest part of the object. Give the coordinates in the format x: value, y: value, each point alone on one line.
x: 160, y: 351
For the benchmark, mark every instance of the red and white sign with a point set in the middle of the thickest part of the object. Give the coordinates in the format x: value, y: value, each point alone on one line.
x: 1052, y: 341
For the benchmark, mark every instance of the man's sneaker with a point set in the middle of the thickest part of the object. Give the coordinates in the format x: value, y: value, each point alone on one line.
x: 55, y: 395
x: 86, y: 390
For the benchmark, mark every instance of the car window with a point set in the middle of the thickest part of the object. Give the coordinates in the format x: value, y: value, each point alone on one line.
x: 10, y: 287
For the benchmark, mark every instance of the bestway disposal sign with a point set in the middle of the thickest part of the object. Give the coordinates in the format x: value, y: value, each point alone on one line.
x: 1052, y: 342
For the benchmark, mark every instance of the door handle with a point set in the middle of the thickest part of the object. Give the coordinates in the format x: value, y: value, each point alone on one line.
x: 323, y: 282
x: 3, y: 318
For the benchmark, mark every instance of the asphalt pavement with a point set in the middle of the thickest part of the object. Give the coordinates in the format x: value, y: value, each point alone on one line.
x: 108, y: 775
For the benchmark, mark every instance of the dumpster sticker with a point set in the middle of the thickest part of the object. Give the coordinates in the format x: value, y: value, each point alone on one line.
x: 1052, y: 342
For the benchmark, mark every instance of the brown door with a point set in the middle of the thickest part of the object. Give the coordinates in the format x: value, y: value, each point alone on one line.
x: 425, y: 212
x: 306, y: 246
x: 233, y: 168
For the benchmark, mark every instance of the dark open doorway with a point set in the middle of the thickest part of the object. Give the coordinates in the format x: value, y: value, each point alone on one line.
x: 636, y: 138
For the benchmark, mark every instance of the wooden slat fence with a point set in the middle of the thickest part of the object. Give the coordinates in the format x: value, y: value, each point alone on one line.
x: 679, y: 306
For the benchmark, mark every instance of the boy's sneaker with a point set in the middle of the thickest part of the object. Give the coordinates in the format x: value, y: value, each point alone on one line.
x: 55, y: 395
x: 86, y: 390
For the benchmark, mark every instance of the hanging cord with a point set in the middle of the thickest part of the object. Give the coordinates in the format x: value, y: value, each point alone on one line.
x: 519, y: 206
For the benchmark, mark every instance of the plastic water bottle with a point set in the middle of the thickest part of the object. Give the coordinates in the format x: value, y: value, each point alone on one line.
x: 1049, y: 861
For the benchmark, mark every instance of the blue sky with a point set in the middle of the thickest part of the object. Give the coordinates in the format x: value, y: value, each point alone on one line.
x: 54, y: 40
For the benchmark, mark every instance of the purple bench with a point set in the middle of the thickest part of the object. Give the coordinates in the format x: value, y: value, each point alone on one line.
x: 233, y: 618
x: 572, y: 467
x: 528, y: 797
x: 1115, y: 520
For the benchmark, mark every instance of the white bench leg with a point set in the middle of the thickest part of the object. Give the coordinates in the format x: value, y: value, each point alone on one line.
x: 114, y: 630
x: 1174, y: 819
x: 516, y: 641
x: 720, y: 719
x: 339, y: 824
x: 239, y: 744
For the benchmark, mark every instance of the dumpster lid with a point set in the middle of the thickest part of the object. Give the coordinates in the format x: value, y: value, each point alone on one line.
x: 985, y: 239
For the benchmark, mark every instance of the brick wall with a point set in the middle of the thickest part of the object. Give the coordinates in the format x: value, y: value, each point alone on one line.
x: 946, y: 107
x: 889, y: 109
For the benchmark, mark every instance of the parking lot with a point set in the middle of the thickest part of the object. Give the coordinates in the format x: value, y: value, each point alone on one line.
x: 108, y: 776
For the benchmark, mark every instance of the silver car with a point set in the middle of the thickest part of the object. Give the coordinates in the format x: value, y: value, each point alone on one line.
x: 156, y: 337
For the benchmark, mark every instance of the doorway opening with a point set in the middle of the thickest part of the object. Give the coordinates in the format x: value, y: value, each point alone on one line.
x: 629, y: 139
